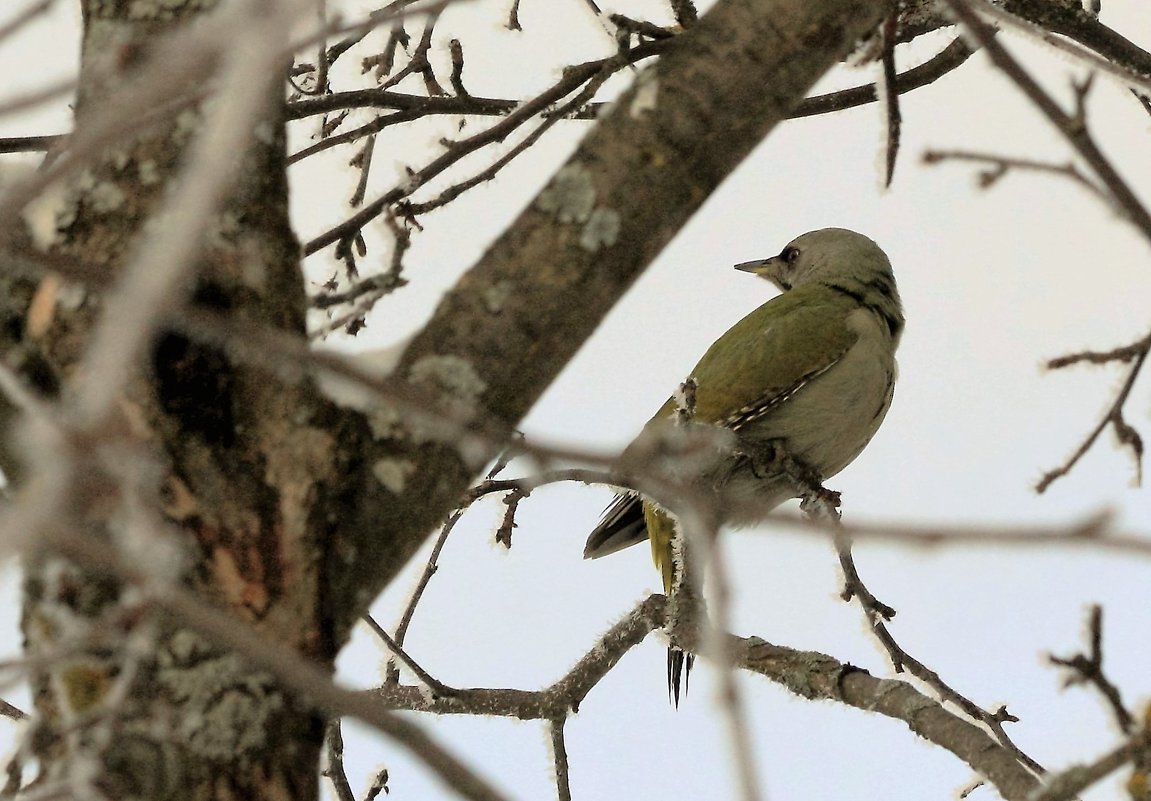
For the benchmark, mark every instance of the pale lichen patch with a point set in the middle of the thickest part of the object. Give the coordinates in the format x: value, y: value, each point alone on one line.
x: 393, y: 473
x: 474, y: 451
x: 455, y: 384
x: 265, y: 133
x: 495, y: 296
x: 385, y: 422
x: 85, y: 181
x: 253, y: 268
x: 570, y: 196
x: 52, y: 208
x: 71, y: 296
x: 40, y: 213
x: 646, y: 94
x: 149, y: 172
x: 187, y: 123
x: 105, y: 197
x: 452, y: 377
x: 229, y: 224
x: 227, y: 709
x: 601, y: 230
x: 66, y: 212
x: 120, y: 159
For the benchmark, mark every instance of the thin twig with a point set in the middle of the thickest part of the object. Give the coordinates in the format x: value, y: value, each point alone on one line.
x: 1114, y: 417
x: 30, y: 144
x: 357, y: 33
x: 334, y: 769
x: 363, y: 162
x: 419, y: 63
x: 555, y: 701
x: 379, y: 785
x: 1088, y: 669
x: 948, y: 59
x: 572, y: 79
x: 1076, y: 46
x: 508, y: 523
x: 999, y: 166
x: 641, y: 28
x: 822, y: 505
x: 456, y: 79
x: 397, y: 38
x: 12, y: 712
x: 432, y: 564
x: 382, y: 284
x: 696, y: 543
x: 454, y: 191
x: 436, y: 686
x: 853, y: 587
x: 430, y: 569
x: 890, y: 94
x: 367, y: 129
x: 560, y: 759
x: 1124, y: 353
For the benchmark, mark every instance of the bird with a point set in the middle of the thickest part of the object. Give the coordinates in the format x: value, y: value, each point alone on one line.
x: 809, y: 374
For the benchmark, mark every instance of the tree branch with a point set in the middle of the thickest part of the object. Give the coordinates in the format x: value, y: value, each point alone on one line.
x: 1072, y: 127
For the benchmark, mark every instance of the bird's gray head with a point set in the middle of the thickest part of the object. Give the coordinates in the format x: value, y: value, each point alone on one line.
x: 840, y: 259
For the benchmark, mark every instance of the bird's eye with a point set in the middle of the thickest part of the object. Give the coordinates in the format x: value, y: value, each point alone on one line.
x: 790, y: 254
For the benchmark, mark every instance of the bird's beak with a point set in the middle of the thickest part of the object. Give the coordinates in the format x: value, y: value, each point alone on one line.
x: 771, y: 269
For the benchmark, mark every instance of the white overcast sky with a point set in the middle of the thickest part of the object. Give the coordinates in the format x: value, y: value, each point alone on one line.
x: 994, y: 282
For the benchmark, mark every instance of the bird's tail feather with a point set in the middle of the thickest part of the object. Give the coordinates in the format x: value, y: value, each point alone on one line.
x: 627, y: 521
x: 679, y: 664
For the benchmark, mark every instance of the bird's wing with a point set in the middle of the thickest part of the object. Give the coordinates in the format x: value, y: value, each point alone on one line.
x: 769, y: 355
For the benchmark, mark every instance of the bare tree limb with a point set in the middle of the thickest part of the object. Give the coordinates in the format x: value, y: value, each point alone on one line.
x: 1071, y: 126
x: 334, y: 770
x: 560, y: 759
x: 1088, y: 669
x: 1072, y: 21
x: 890, y: 94
x: 1137, y: 355
x: 999, y: 166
